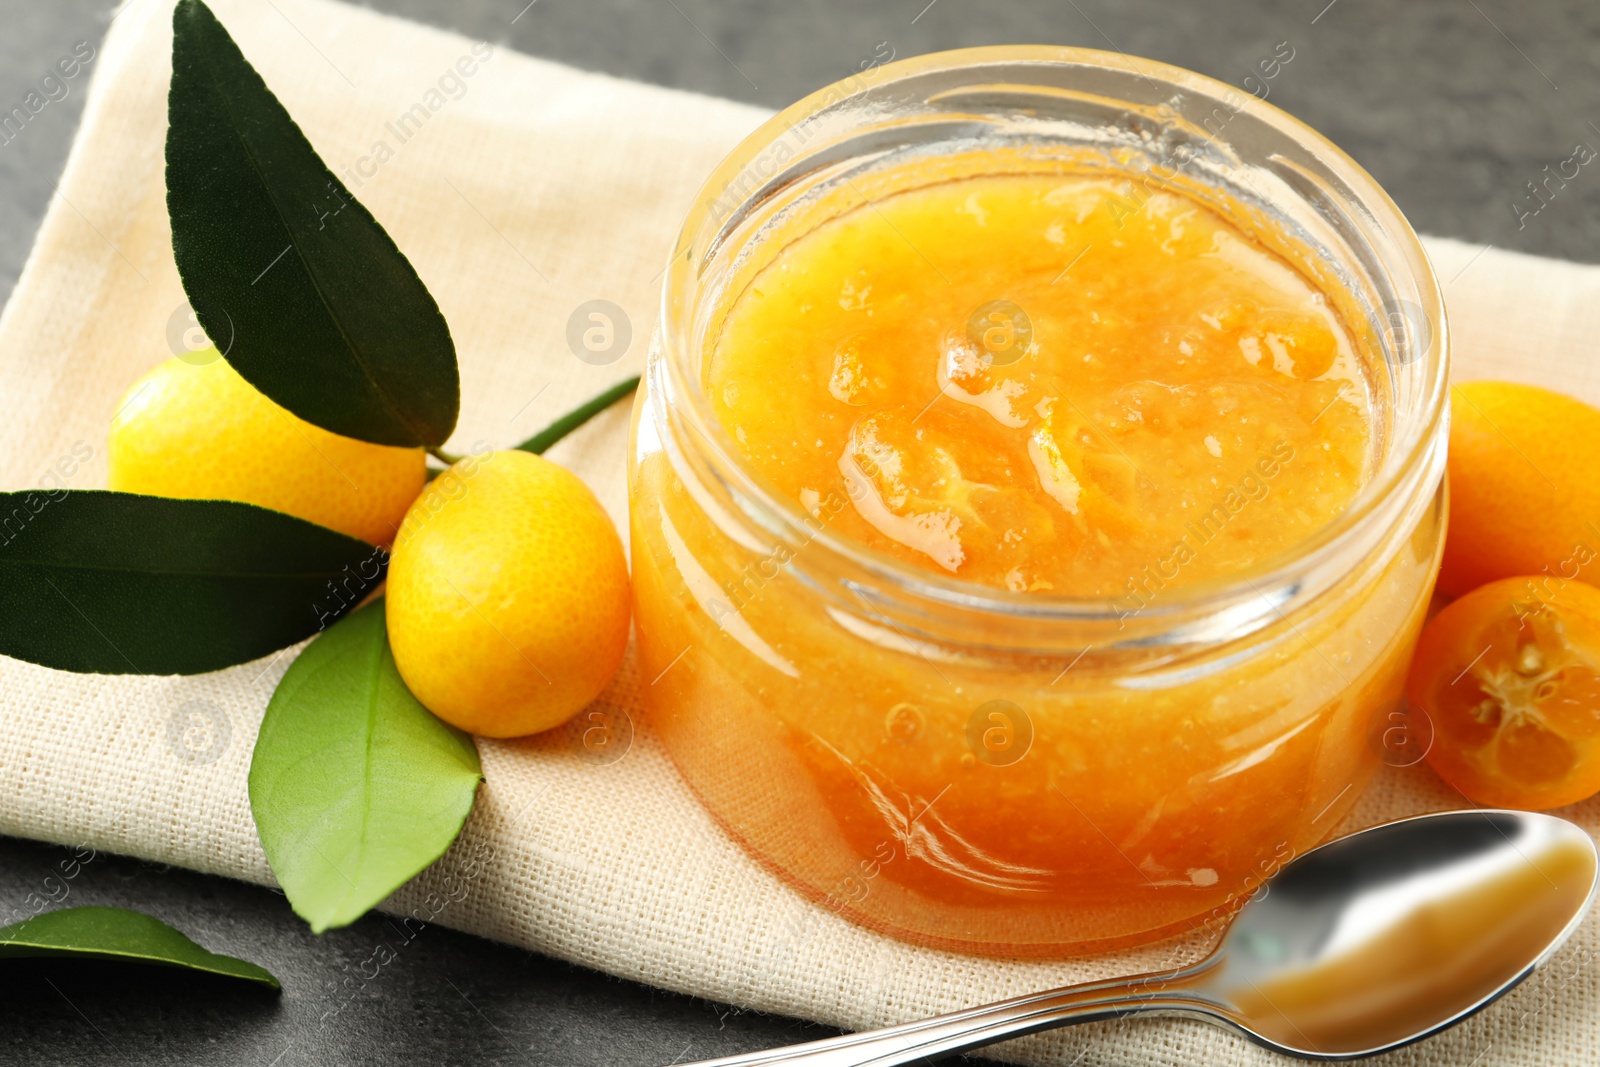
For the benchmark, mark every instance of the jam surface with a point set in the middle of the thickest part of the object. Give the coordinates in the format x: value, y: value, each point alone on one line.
x: 1047, y: 383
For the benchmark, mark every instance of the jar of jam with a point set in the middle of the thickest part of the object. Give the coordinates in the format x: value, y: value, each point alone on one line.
x: 1036, y: 494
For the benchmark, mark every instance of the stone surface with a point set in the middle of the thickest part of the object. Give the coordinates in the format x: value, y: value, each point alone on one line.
x: 1453, y: 104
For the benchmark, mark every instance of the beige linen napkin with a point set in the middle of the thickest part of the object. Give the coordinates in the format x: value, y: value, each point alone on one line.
x: 528, y: 189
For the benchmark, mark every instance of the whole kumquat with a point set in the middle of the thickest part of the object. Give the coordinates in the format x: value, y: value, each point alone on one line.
x: 1523, y: 495
x: 194, y: 428
x: 508, y: 596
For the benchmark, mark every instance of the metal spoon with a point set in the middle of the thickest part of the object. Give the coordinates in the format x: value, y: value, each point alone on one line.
x: 1368, y: 943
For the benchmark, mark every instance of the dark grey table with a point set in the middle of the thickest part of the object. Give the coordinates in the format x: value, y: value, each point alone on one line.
x: 1453, y: 104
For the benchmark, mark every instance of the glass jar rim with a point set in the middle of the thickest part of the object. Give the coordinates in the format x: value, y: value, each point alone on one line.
x: 1408, y: 466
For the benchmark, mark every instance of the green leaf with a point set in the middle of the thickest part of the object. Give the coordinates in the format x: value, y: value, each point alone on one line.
x: 119, y: 934
x: 293, y: 280
x: 119, y: 583
x: 355, y: 786
x: 547, y: 437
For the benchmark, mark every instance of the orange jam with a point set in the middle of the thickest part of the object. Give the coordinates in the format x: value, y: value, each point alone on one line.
x: 1044, y: 384
x: 1041, y: 385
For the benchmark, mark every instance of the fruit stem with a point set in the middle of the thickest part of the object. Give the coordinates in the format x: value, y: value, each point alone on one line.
x: 449, y: 459
x: 579, y: 415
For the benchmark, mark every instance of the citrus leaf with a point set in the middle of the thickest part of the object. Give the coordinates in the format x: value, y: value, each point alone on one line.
x: 119, y: 934
x: 119, y: 583
x: 294, y: 280
x: 355, y: 786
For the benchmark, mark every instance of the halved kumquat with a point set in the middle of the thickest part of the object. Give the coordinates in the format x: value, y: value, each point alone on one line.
x: 1510, y: 677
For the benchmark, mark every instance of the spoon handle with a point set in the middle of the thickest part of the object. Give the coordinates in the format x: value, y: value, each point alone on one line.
x: 972, y: 1028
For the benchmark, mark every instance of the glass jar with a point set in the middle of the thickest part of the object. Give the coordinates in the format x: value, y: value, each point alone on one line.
x: 1013, y: 773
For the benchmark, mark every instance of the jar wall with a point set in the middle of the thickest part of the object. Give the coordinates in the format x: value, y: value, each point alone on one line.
x: 1010, y: 774
x: 984, y: 802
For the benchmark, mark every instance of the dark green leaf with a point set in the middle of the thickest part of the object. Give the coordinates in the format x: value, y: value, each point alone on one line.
x: 355, y: 786
x: 117, y: 583
x: 295, y: 281
x: 545, y: 438
x: 119, y: 934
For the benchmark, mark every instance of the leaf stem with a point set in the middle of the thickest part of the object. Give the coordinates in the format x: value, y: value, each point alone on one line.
x: 548, y: 436
x: 575, y: 418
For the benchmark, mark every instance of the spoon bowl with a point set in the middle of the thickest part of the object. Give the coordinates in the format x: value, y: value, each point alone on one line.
x: 1363, y: 945
x: 1386, y: 936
